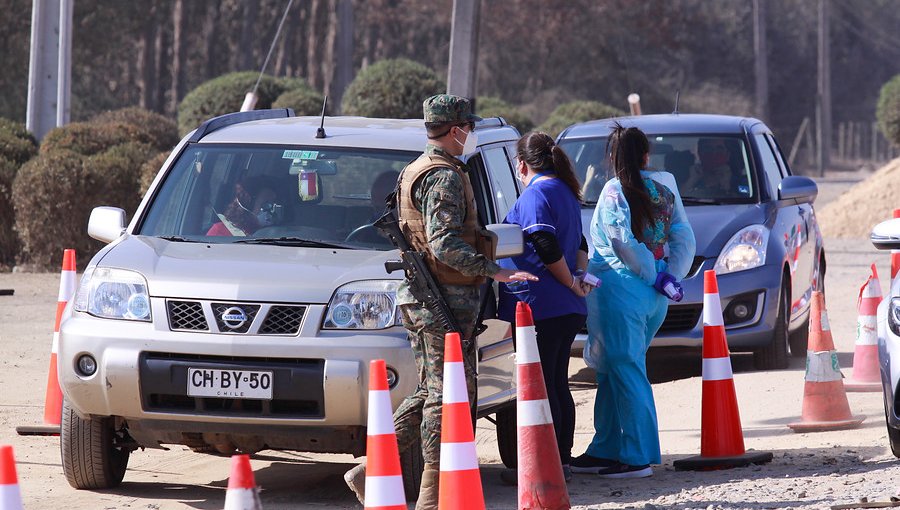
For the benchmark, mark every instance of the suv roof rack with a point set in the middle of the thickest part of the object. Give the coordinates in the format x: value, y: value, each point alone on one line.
x: 491, y: 122
x: 230, y: 119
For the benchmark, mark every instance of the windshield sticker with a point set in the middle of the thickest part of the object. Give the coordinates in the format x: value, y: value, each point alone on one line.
x: 289, y: 154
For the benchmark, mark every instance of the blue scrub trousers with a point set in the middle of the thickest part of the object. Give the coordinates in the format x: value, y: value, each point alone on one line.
x: 624, y: 314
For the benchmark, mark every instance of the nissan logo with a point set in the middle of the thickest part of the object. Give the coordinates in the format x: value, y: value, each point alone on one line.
x: 234, y: 317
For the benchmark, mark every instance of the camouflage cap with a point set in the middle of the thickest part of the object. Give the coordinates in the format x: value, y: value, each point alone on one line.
x: 448, y: 108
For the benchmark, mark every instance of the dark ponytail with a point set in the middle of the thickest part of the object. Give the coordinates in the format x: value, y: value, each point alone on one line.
x: 541, y: 153
x: 627, y: 148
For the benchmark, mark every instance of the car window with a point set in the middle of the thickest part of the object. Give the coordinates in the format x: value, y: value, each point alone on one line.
x: 481, y: 189
x: 502, y: 180
x: 706, y: 167
x: 231, y: 193
x: 785, y: 171
x: 769, y: 164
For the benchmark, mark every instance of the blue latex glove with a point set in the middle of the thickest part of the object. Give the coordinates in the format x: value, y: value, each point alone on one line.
x: 668, y: 286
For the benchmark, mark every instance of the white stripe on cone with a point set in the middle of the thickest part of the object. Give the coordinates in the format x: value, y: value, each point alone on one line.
x: 381, y: 420
x: 526, y: 351
x: 242, y: 499
x: 10, y: 498
x: 54, y: 347
x: 867, y: 327
x: 712, y: 310
x: 822, y: 366
x: 66, y: 286
x: 458, y: 456
x: 717, y: 369
x: 384, y: 491
x: 826, y: 326
x: 455, y: 383
x: 533, y: 412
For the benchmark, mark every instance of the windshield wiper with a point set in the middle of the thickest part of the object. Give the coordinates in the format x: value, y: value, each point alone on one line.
x: 178, y: 239
x: 291, y: 241
x: 698, y: 200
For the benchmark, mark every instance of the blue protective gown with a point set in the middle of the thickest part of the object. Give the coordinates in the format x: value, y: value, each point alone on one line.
x: 625, y: 312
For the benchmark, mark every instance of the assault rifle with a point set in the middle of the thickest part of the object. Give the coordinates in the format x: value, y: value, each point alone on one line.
x: 422, y: 284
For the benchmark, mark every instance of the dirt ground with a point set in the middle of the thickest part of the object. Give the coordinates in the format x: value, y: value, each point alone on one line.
x: 813, y: 470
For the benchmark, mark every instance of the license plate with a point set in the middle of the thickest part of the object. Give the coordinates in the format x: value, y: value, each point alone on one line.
x: 211, y: 382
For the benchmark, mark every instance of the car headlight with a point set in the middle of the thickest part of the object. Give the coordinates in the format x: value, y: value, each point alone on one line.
x: 113, y: 294
x: 745, y: 250
x: 894, y: 315
x: 367, y: 304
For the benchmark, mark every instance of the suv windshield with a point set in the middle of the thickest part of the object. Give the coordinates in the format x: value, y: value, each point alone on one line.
x: 306, y: 196
x: 708, y: 168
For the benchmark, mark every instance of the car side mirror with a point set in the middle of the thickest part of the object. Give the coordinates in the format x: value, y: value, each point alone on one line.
x: 886, y: 235
x: 801, y: 189
x: 510, y: 240
x: 106, y: 224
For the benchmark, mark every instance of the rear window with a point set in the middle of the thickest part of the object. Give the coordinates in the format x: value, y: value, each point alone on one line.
x: 707, y: 168
x: 277, y: 194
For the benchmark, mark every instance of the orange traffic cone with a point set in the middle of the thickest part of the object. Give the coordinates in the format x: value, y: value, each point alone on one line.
x: 895, y: 255
x: 242, y: 493
x: 53, y: 399
x: 541, y: 482
x: 721, y: 435
x: 384, y: 480
x: 866, y: 374
x: 825, y: 405
x: 459, y: 487
x: 10, y: 498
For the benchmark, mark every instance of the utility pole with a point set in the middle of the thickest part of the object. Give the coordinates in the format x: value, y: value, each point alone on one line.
x: 823, y: 96
x: 49, y: 71
x: 344, y: 72
x: 461, y: 76
x: 762, y: 64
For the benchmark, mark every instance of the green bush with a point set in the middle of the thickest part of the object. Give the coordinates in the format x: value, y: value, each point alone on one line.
x: 9, y: 240
x: 89, y: 138
x: 392, y: 89
x: 576, y: 111
x: 888, y: 110
x: 225, y: 94
x: 161, y: 131
x: 149, y: 170
x: 16, y: 143
x: 304, y: 101
x: 489, y: 106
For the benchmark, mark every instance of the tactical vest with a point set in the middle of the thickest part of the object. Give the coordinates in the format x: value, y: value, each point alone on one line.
x: 412, y: 222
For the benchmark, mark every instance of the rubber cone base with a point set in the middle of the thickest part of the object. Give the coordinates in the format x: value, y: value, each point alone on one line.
x: 851, y: 385
x: 819, y: 426
x: 701, y: 463
x: 38, y: 430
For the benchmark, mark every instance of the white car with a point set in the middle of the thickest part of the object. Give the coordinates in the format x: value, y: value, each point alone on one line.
x: 886, y: 236
x: 187, y: 330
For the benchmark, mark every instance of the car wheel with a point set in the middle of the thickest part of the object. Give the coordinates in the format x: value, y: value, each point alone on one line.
x: 893, y: 434
x: 775, y: 355
x: 91, y: 458
x: 507, y: 441
x: 412, y: 464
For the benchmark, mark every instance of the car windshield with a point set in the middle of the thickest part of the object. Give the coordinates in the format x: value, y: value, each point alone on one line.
x: 299, y: 196
x: 709, y: 169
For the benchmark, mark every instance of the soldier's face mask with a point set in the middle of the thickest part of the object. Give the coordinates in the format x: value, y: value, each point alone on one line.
x: 471, y: 142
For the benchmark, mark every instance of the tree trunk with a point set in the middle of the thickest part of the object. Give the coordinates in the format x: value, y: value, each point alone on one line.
x: 327, y: 60
x: 248, y: 37
x: 179, y: 49
x: 312, y: 46
x: 146, y: 64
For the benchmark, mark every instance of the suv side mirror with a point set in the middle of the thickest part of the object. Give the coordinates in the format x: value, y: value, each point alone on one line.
x: 801, y: 189
x: 106, y: 223
x: 886, y: 235
x: 509, y: 239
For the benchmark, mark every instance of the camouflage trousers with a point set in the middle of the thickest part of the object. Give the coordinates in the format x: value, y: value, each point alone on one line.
x: 420, y: 413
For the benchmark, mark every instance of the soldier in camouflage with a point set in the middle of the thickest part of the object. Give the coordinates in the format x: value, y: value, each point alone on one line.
x: 438, y: 216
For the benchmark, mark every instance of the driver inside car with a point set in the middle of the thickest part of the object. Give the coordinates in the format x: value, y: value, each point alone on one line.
x: 253, y: 207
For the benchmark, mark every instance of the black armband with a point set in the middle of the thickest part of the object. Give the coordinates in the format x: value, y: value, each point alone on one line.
x: 546, y: 246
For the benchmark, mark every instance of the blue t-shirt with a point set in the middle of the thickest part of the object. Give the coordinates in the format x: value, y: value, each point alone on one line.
x: 549, y: 205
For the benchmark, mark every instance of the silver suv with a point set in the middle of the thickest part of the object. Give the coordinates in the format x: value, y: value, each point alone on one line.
x: 192, y: 327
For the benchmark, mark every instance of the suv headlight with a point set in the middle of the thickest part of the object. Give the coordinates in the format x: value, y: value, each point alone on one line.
x: 367, y: 304
x: 113, y: 294
x: 745, y: 250
x: 894, y: 315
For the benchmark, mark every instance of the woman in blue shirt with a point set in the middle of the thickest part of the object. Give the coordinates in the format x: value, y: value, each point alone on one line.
x: 549, y: 212
x: 643, y: 246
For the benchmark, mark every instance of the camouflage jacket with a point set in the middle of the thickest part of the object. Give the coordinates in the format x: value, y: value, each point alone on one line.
x: 438, y: 196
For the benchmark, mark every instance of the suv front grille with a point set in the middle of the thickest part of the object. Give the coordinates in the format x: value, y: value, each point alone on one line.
x: 681, y: 318
x: 186, y: 316
x: 235, y: 318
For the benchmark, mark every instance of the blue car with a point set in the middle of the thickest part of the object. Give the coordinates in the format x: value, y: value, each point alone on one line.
x: 754, y: 223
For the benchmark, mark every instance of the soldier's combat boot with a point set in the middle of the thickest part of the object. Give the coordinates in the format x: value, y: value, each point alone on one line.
x: 356, y: 480
x: 428, y: 491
